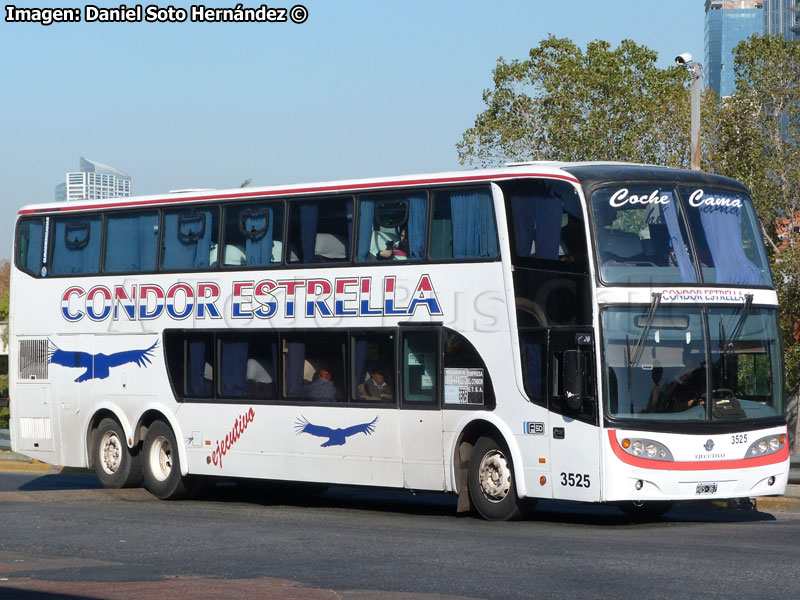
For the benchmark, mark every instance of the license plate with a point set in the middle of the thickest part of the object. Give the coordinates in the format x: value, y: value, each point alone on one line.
x: 706, y: 488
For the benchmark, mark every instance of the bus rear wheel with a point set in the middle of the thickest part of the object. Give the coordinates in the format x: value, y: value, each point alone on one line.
x: 492, y: 488
x: 162, y: 467
x: 115, y: 464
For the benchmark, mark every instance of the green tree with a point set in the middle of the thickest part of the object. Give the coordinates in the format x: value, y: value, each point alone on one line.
x: 565, y: 103
x: 754, y: 137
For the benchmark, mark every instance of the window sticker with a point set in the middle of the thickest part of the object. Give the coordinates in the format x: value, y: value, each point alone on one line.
x: 463, y: 386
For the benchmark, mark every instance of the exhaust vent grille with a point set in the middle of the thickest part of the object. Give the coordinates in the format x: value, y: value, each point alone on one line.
x: 33, y: 359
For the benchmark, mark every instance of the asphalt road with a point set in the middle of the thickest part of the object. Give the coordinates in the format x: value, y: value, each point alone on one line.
x: 63, y: 537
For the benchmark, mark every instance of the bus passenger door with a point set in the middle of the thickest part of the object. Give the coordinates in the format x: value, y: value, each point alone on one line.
x: 420, y: 413
x: 572, y: 400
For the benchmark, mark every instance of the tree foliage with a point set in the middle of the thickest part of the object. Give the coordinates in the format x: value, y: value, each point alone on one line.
x: 565, y: 103
x: 754, y: 136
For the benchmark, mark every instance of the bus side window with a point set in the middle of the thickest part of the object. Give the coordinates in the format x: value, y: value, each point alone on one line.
x: 320, y: 230
x: 189, y: 240
x: 253, y: 235
x: 131, y: 242
x: 29, y: 245
x: 248, y: 366
x: 76, y: 245
x: 547, y: 222
x: 392, y: 227
x: 463, y: 225
x: 420, y: 367
x: 466, y: 378
x: 190, y: 359
x: 372, y: 367
x: 313, y: 366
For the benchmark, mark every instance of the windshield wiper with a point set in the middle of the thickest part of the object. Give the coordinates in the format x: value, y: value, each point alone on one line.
x: 737, y: 330
x: 635, y: 356
x: 724, y: 343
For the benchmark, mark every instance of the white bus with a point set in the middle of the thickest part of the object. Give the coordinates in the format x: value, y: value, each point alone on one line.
x: 589, y: 332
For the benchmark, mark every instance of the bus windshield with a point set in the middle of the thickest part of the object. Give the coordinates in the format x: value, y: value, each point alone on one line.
x: 656, y: 367
x: 643, y: 238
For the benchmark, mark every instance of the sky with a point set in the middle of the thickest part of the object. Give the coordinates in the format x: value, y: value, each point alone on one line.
x: 362, y: 88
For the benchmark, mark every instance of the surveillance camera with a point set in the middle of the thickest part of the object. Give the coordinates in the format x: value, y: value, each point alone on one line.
x: 683, y: 59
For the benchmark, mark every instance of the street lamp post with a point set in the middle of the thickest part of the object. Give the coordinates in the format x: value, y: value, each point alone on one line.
x: 696, y: 69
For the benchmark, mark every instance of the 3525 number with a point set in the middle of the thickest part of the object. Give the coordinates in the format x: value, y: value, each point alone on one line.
x: 739, y: 438
x: 575, y: 480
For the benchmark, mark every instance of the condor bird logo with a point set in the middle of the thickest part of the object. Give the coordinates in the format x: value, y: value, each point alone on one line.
x: 97, y: 365
x: 336, y: 437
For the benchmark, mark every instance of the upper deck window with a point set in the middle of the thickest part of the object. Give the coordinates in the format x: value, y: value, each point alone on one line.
x: 546, y: 220
x: 190, y: 238
x: 726, y: 233
x: 320, y: 230
x: 641, y: 237
x: 463, y: 225
x: 392, y: 227
x: 76, y: 245
x: 131, y: 242
x: 29, y: 245
x: 253, y: 235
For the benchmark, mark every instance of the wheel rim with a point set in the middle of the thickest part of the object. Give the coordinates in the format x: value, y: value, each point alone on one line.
x: 160, y: 458
x: 110, y: 452
x: 494, y: 476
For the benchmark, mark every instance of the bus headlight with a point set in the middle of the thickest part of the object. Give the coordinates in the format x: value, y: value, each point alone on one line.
x: 646, y: 449
x: 766, y: 445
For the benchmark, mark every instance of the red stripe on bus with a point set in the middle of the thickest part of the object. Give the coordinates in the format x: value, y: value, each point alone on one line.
x: 327, y: 188
x: 704, y: 465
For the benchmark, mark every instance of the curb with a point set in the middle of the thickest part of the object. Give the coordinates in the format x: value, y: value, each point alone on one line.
x: 28, y: 467
x: 777, y: 504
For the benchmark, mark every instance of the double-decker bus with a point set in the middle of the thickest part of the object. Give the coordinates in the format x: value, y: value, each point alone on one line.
x: 588, y: 332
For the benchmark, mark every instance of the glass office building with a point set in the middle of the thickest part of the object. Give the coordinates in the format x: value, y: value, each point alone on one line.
x: 728, y: 22
x: 782, y: 17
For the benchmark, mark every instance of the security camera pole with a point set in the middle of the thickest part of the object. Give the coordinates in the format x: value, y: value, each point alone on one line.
x: 696, y: 69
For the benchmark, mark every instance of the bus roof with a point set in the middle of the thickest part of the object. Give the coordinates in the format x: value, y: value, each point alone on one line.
x: 586, y: 173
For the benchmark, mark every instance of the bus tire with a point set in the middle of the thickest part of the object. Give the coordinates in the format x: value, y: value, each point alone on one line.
x: 490, y: 480
x: 161, y: 464
x: 116, y: 465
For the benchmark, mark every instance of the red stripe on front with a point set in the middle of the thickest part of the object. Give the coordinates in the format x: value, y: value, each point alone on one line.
x: 286, y: 192
x: 711, y: 465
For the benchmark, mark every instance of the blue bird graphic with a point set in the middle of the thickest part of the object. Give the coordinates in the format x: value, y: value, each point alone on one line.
x: 97, y: 365
x: 336, y: 437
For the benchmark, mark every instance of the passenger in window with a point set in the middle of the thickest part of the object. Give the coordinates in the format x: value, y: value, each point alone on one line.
x: 376, y: 387
x: 321, y: 386
x: 397, y: 250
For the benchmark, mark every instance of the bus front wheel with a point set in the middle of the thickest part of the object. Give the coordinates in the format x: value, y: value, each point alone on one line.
x: 115, y: 464
x: 492, y: 489
x: 162, y: 467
